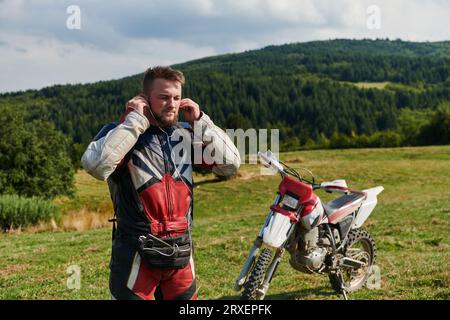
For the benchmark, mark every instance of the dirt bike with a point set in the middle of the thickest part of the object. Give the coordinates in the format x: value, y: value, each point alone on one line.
x: 320, y: 238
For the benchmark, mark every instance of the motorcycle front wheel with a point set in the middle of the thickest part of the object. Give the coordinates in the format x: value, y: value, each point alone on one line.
x: 257, y: 276
x: 360, y: 246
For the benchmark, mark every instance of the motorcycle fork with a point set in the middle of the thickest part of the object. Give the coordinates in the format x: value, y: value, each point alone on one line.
x: 262, y: 290
x: 248, y: 263
x: 254, y: 250
x: 274, y: 264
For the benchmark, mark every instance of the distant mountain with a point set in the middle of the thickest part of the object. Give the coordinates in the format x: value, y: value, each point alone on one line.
x: 309, y: 91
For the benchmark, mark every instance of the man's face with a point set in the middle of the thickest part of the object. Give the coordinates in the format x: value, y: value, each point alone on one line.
x: 165, y: 99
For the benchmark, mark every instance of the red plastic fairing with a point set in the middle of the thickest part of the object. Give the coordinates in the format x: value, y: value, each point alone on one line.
x: 300, y: 189
x: 290, y: 214
x: 310, y: 205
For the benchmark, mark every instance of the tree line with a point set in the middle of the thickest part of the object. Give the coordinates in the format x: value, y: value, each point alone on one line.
x: 321, y: 94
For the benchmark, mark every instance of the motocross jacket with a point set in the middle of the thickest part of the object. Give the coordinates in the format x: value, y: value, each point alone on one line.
x: 149, y: 170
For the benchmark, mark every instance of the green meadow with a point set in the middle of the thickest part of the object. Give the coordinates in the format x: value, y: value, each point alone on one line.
x: 410, y: 225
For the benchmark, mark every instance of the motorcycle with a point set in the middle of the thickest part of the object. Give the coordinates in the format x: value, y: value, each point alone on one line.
x: 320, y: 238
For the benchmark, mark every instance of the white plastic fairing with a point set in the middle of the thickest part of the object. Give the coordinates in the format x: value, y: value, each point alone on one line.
x: 276, y: 231
x: 311, y: 219
x: 367, y: 206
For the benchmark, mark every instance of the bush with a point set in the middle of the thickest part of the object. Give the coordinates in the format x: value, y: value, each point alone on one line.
x: 437, y: 131
x: 34, y: 157
x: 16, y: 211
x: 385, y: 139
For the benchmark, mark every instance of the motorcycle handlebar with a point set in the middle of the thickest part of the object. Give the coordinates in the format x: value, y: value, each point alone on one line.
x: 273, y: 162
x: 316, y: 186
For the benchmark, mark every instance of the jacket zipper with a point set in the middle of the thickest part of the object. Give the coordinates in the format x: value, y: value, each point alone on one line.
x: 169, y: 198
x: 168, y: 189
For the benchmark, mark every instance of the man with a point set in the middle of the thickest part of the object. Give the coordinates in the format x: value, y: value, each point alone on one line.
x: 147, y: 161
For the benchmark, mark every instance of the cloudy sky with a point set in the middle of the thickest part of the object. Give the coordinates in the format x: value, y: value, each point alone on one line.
x: 41, y: 42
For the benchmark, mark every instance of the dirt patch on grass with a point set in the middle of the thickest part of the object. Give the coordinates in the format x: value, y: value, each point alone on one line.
x: 41, y: 226
x: 11, y: 269
x: 295, y: 160
x: 79, y: 220
x: 91, y: 249
x: 84, y: 219
x: 247, y: 175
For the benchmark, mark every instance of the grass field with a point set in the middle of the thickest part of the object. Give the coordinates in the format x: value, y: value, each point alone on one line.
x: 410, y: 226
x: 388, y: 85
x: 371, y: 85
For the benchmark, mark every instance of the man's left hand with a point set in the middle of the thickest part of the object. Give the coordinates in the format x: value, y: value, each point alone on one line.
x: 191, y: 110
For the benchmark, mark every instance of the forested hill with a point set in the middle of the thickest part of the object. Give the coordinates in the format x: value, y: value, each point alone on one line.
x: 314, y: 92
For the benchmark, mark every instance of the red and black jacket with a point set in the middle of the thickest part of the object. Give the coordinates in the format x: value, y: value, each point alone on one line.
x: 149, y: 171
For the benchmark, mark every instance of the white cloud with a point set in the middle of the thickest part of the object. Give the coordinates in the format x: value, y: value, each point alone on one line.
x: 38, y: 62
x: 424, y: 20
x: 119, y: 38
x: 302, y: 11
x: 10, y: 9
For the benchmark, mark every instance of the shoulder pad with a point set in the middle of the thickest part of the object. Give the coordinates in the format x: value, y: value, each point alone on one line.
x: 184, y: 125
x: 104, y: 131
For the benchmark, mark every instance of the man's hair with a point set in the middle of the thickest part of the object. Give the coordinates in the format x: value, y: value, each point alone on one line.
x: 160, y: 73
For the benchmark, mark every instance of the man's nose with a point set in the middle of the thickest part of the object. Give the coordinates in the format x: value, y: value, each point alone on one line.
x: 171, y: 102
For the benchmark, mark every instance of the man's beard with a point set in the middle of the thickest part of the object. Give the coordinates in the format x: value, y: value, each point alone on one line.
x: 166, y: 123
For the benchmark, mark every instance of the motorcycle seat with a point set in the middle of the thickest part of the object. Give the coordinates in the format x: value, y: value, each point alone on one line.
x: 335, y: 205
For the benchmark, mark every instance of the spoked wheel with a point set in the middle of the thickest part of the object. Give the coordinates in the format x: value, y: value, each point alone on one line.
x: 257, y: 277
x: 361, y: 247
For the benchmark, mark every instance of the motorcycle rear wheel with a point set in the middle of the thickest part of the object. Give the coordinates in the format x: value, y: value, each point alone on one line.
x: 257, y: 276
x: 360, y: 246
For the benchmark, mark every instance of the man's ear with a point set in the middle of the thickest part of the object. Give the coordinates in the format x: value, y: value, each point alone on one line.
x: 148, y: 99
x: 151, y: 110
x: 143, y: 95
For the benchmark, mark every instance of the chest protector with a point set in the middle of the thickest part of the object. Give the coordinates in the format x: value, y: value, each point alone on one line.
x: 164, y: 190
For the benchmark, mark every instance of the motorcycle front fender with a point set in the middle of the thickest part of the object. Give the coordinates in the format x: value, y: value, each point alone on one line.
x: 277, y: 230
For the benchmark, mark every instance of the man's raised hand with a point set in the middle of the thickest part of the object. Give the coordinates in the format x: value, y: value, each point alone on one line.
x: 191, y: 110
x: 140, y: 104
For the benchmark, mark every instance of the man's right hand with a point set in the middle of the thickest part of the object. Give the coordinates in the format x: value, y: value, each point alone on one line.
x: 140, y: 104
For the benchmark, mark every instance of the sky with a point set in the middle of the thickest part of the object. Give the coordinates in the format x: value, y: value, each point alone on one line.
x: 45, y: 42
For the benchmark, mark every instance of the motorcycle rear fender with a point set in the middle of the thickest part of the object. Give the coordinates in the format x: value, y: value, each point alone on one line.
x: 367, y: 206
